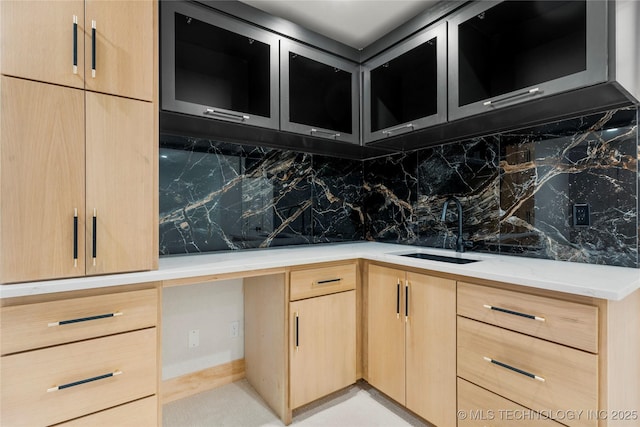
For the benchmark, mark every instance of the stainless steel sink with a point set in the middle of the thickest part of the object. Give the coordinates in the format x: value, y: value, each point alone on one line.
x: 442, y: 258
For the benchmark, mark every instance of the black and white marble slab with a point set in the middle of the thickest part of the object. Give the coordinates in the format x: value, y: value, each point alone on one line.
x: 517, y: 189
x: 390, y: 195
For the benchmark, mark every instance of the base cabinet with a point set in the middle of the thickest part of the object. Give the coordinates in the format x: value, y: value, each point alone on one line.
x: 83, y: 356
x: 322, y: 353
x: 478, y: 407
x: 411, y: 341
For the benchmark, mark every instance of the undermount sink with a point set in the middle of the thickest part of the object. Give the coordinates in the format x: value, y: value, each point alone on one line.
x: 442, y: 258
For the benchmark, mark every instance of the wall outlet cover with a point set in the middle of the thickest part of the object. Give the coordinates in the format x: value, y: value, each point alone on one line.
x: 581, y: 215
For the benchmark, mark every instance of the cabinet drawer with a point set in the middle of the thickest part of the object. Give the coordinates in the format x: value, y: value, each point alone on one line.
x: 564, y: 322
x: 322, y: 281
x: 538, y: 374
x: 39, y: 325
x: 143, y: 412
x: 28, y: 395
x: 478, y: 407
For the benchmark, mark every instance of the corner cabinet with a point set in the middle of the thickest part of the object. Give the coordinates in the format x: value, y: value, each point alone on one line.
x: 411, y: 344
x: 77, y: 164
x: 319, y: 93
x: 405, y: 88
x: 218, y: 67
x: 509, y: 52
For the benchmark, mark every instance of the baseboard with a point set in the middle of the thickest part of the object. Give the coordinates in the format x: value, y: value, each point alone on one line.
x: 197, y: 382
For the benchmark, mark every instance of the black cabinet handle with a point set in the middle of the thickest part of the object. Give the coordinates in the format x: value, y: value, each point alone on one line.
x: 398, y: 300
x: 297, y: 331
x: 75, y: 237
x: 515, y: 95
x: 87, y: 380
x: 93, y: 49
x: 511, y: 368
x: 94, y: 239
x: 75, y: 44
x: 322, y: 282
x: 85, y: 319
x: 515, y: 313
x: 406, y: 301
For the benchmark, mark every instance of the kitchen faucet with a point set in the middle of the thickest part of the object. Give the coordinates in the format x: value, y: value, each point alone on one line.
x: 460, y: 243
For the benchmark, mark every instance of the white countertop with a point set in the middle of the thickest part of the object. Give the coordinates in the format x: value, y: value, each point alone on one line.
x: 613, y: 283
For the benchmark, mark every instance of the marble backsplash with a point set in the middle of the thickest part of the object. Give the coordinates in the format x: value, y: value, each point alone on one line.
x: 517, y: 190
x: 219, y: 196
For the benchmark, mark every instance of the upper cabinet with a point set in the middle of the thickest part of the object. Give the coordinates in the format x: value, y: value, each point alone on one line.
x: 119, y: 55
x: 218, y: 67
x: 405, y: 88
x: 514, y: 51
x: 320, y: 93
x: 89, y: 44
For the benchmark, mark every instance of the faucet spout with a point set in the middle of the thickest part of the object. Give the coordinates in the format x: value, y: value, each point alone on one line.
x: 459, y: 240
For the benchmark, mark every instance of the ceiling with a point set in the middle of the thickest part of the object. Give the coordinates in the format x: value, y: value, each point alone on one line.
x: 356, y: 23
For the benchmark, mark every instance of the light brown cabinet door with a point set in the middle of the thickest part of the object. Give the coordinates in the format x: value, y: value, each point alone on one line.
x: 323, y: 346
x: 386, y: 325
x: 431, y: 348
x: 37, y: 40
x: 41, y: 180
x: 119, y: 156
x: 123, y: 48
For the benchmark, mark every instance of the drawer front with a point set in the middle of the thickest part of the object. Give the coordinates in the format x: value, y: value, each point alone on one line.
x: 478, y: 407
x: 40, y: 325
x: 564, y: 322
x: 322, y: 281
x: 143, y: 412
x: 506, y: 362
x: 28, y: 395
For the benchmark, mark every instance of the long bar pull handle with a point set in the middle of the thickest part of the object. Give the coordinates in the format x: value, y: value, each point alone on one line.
x: 75, y: 44
x: 515, y: 95
x: 87, y: 380
x: 85, y: 319
x: 406, y: 301
x: 388, y: 132
x: 398, y: 300
x: 297, y: 331
x: 511, y: 368
x: 75, y: 237
x: 226, y: 115
x: 323, y: 282
x: 94, y: 242
x: 515, y: 313
x: 324, y: 132
x: 93, y: 48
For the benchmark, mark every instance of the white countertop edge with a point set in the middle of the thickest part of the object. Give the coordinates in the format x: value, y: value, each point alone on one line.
x: 574, y: 278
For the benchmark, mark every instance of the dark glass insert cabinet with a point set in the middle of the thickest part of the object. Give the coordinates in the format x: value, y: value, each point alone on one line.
x: 503, y: 53
x: 319, y: 93
x: 218, y: 67
x: 405, y: 88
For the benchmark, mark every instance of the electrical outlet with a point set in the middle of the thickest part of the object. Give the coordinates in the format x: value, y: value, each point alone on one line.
x: 233, y: 329
x: 581, y: 215
x: 194, y: 338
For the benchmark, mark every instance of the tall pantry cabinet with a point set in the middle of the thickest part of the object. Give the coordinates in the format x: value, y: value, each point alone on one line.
x: 78, y: 132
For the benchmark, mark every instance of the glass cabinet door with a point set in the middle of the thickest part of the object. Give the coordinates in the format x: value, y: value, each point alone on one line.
x: 501, y: 53
x: 319, y: 93
x: 405, y: 87
x: 218, y: 67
